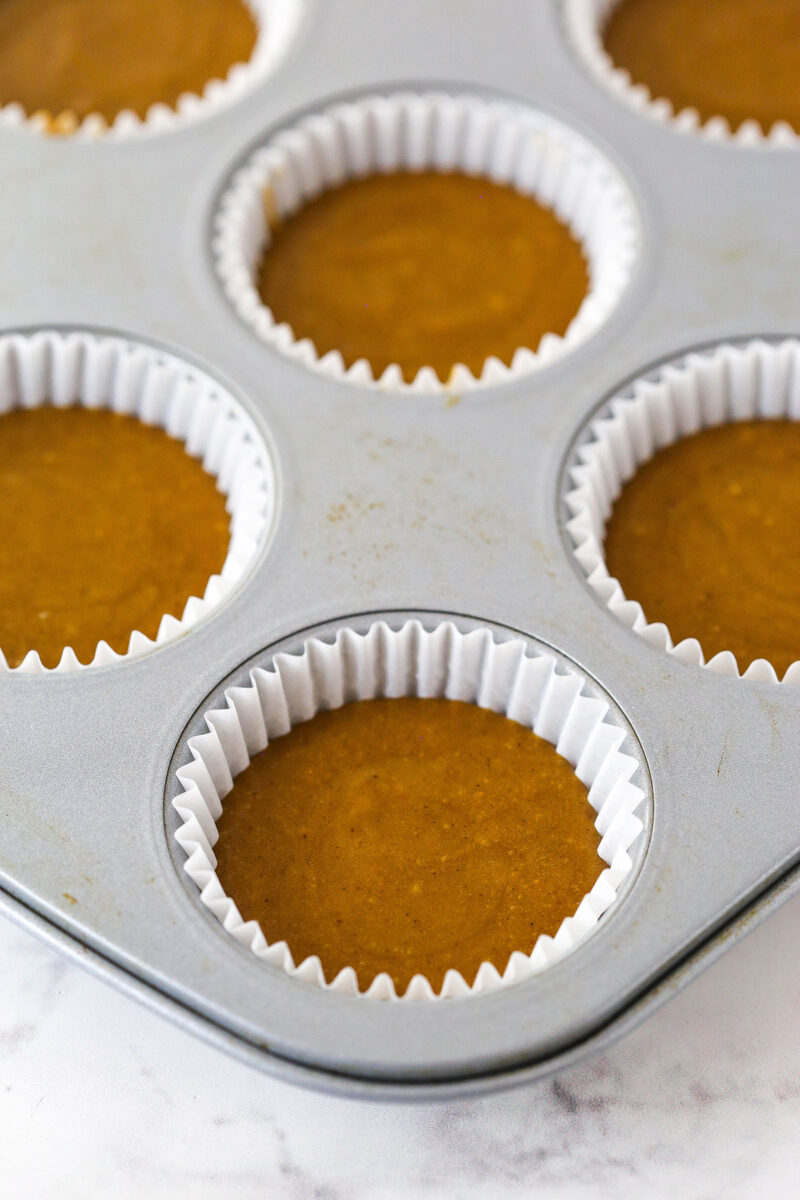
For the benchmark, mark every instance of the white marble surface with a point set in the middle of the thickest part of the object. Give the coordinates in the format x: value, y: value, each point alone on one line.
x: 99, y: 1097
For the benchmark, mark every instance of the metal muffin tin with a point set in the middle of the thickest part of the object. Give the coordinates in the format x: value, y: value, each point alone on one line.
x: 395, y: 504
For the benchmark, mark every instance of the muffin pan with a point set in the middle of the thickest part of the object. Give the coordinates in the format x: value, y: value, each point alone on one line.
x: 394, y: 506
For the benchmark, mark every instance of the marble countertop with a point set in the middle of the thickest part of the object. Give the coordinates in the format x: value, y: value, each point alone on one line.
x: 100, y: 1097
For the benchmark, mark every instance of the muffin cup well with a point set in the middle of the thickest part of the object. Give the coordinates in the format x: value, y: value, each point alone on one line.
x: 278, y: 22
x: 505, y: 142
x: 585, y: 20
x: 533, y: 689
x: 729, y: 383
x: 97, y: 371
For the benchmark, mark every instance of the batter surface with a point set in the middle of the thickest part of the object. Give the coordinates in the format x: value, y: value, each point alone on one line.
x: 108, y: 524
x: 408, y: 836
x: 738, y: 59
x: 103, y: 56
x: 706, y: 537
x: 423, y: 270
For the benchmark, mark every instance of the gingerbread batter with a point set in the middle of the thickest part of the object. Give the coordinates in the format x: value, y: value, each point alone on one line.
x: 423, y: 270
x: 108, y: 524
x: 738, y: 59
x: 102, y: 56
x: 706, y: 537
x: 408, y: 836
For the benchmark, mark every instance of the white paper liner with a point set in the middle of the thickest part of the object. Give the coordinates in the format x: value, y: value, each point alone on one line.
x: 585, y: 20
x: 532, y: 689
x: 731, y: 383
x: 110, y: 372
x: 278, y: 22
x: 505, y: 142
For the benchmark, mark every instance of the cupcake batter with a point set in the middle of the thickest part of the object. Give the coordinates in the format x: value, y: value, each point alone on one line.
x: 738, y: 59
x: 103, y: 56
x: 408, y: 836
x: 423, y: 270
x: 108, y: 524
x: 706, y: 537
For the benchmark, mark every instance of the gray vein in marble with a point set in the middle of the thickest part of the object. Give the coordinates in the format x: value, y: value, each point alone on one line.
x: 100, y: 1097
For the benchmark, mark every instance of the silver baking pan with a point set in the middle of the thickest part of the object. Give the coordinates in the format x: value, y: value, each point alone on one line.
x: 451, y: 509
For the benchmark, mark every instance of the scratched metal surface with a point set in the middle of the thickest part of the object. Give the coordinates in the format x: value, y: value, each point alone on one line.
x: 394, y: 504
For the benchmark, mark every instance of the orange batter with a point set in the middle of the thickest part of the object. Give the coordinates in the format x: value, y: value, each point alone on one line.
x: 732, y: 58
x: 408, y: 836
x: 102, y: 56
x: 423, y: 270
x: 706, y: 537
x: 108, y: 524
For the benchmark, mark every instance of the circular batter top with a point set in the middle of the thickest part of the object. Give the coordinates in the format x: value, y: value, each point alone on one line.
x: 108, y: 524
x: 102, y: 56
x: 423, y: 270
x: 706, y: 537
x: 408, y: 836
x: 738, y: 59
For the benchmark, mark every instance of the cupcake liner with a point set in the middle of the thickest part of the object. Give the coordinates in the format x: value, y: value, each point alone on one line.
x: 278, y: 22
x: 507, y: 143
x: 585, y: 20
x: 730, y: 383
x: 532, y: 688
x: 127, y: 377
